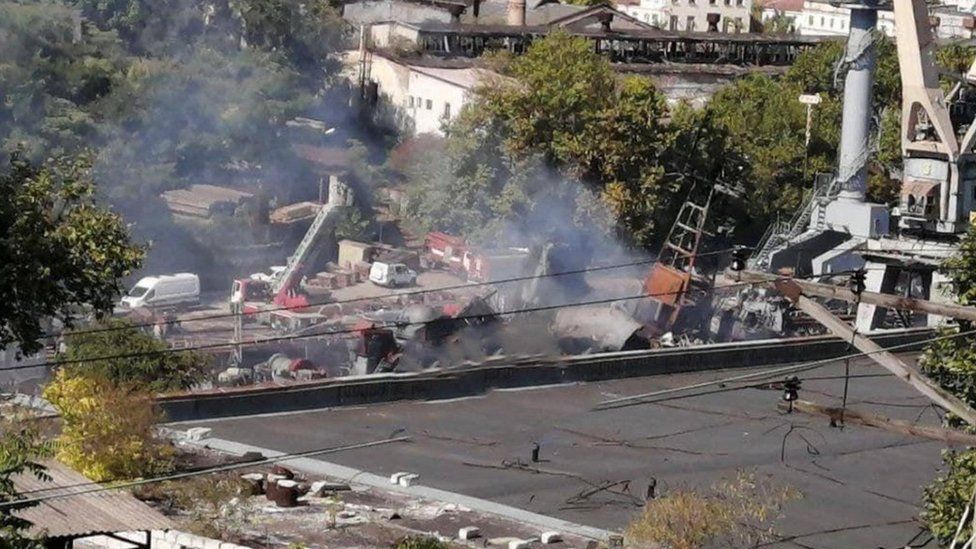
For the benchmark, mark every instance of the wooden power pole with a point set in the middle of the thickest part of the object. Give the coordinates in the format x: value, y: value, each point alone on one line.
x: 795, y: 292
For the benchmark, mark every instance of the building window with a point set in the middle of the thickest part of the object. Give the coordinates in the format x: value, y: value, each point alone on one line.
x: 822, y: 24
x: 712, y: 2
x: 447, y: 110
x: 738, y: 25
x: 831, y: 22
x: 728, y: 2
x: 673, y: 25
x: 738, y: 3
x: 410, y: 101
x: 691, y: 2
x: 690, y: 23
x: 430, y: 104
x: 810, y: 20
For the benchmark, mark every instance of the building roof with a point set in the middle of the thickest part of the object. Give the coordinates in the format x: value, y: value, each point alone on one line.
x: 435, y: 27
x: 542, y: 13
x: 84, y: 514
x: 466, y: 78
x: 328, y: 158
x: 783, y: 5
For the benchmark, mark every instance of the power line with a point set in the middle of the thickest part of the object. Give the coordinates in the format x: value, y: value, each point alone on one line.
x: 292, y: 337
x: 177, y: 476
x: 397, y: 295
x: 635, y: 400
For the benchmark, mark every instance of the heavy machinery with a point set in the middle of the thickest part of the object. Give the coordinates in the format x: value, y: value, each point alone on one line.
x: 674, y: 283
x: 282, y: 288
x: 937, y: 132
x: 836, y: 230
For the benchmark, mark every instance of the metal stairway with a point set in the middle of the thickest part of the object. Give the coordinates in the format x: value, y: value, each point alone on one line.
x: 781, y: 233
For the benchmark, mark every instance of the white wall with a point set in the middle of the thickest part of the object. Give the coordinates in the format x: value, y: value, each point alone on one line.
x: 823, y: 19
x: 692, y: 15
x: 422, y: 100
x: 431, y: 102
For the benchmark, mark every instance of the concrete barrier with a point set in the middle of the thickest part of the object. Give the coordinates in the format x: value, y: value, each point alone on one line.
x: 446, y: 384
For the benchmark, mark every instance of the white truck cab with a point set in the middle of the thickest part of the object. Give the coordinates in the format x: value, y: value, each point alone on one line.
x: 391, y: 274
x: 164, y: 291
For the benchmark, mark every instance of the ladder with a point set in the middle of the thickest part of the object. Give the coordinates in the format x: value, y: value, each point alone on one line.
x: 308, y: 243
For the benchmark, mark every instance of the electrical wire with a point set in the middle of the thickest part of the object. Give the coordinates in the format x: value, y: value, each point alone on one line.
x: 795, y: 368
x: 96, y: 487
x: 289, y: 456
x: 466, y: 285
x: 394, y: 324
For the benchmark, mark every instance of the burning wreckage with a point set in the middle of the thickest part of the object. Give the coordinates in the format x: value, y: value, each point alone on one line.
x: 515, y: 302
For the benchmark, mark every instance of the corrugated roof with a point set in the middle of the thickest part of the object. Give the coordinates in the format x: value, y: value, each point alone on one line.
x: 83, y: 514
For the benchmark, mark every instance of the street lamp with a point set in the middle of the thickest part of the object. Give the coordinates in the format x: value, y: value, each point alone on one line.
x: 809, y: 100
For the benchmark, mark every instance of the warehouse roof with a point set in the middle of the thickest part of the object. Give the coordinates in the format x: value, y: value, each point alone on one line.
x: 73, y: 513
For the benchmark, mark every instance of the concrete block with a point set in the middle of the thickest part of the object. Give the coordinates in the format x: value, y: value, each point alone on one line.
x: 395, y: 477
x: 408, y: 479
x: 551, y: 537
x: 186, y: 540
x: 469, y: 532
x: 197, y: 433
x: 322, y: 487
x: 519, y: 544
x: 211, y: 543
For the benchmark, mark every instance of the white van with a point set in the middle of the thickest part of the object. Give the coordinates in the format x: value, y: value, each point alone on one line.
x: 164, y: 291
x: 391, y: 274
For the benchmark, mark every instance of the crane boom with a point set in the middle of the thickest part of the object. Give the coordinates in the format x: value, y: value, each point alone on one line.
x: 939, y: 170
x: 323, y: 221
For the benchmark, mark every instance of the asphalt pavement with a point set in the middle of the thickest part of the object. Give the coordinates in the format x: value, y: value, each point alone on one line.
x: 860, y: 487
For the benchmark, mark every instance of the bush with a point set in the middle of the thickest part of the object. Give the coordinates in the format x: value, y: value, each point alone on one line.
x: 158, y: 370
x: 946, y: 498
x: 734, y: 514
x: 108, y: 430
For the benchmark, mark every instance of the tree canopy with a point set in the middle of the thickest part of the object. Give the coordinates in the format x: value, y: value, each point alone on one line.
x: 60, y: 249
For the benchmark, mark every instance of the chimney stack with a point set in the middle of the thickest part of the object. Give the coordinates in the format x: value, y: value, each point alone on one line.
x: 516, y: 13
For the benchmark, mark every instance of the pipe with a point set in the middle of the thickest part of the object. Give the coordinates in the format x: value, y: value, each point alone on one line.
x: 860, y: 55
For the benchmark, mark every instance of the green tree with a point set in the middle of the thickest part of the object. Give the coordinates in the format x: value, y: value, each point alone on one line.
x: 107, y: 430
x: 558, y: 115
x: 156, y: 371
x: 60, y: 249
x: 308, y: 33
x: 20, y: 450
x: 952, y: 363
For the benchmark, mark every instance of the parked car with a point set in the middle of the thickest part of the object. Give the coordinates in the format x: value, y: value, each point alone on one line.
x: 392, y: 274
x: 164, y: 291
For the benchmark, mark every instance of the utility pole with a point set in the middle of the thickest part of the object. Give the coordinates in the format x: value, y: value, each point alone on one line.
x: 809, y: 101
x: 895, y: 365
x: 828, y: 291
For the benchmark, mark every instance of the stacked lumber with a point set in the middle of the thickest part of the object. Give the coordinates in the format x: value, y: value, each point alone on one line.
x: 295, y: 212
x: 204, y: 200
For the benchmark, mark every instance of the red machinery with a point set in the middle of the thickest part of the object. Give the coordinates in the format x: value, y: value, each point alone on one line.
x: 283, y: 288
x: 454, y: 254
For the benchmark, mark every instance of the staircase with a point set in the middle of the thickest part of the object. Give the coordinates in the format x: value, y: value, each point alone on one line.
x: 781, y: 233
